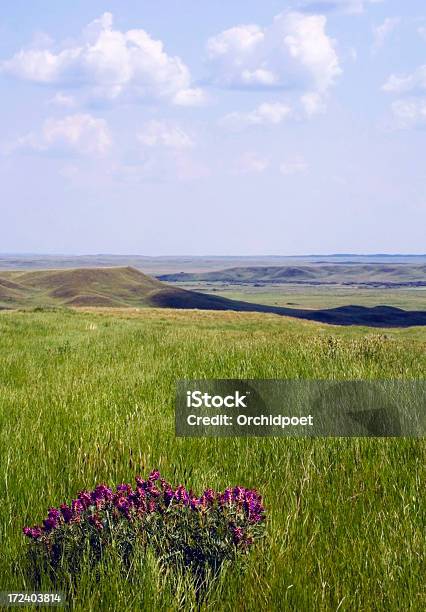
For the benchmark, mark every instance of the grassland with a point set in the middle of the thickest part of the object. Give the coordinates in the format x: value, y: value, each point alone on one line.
x: 315, y: 297
x: 123, y: 287
x: 88, y: 396
x: 175, y: 264
x: 329, y: 273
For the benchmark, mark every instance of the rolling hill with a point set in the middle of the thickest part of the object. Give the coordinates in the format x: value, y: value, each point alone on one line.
x: 124, y: 287
x: 80, y: 287
x: 370, y: 274
x: 191, y: 263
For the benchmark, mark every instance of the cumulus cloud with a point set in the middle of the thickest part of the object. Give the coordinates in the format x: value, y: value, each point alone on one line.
x: 165, y: 135
x: 382, y: 32
x: 409, y: 113
x: 407, y: 83
x: 294, y: 166
x: 352, y: 7
x: 75, y: 134
x: 409, y: 110
x: 268, y: 113
x: 251, y: 163
x: 109, y: 64
x: 293, y: 52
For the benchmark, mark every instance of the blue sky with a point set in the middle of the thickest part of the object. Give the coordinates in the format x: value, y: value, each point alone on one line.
x: 188, y: 127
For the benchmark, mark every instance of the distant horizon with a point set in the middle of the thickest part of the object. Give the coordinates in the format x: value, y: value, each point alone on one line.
x: 224, y: 255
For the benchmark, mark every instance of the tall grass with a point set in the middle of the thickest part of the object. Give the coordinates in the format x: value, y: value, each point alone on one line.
x: 87, y: 397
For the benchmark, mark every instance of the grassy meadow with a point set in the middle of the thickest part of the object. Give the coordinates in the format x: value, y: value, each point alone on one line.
x: 316, y: 297
x: 87, y: 396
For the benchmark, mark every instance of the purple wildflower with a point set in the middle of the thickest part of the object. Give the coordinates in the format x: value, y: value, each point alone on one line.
x: 168, y: 494
x: 101, y: 493
x: 207, y: 498
x: 85, y: 499
x: 238, y: 494
x: 49, y: 524
x: 238, y: 534
x: 235, y: 511
x: 124, y: 488
x: 67, y: 513
x: 121, y: 503
x: 77, y: 506
x: 226, y: 497
x: 33, y: 532
x: 181, y: 494
x: 194, y: 503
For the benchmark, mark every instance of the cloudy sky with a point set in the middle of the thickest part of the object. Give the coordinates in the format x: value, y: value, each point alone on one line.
x: 186, y: 127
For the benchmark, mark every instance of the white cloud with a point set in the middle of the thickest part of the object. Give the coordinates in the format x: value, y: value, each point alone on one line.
x: 313, y: 103
x: 409, y: 113
x: 422, y: 31
x: 81, y: 134
x: 294, y: 51
x: 165, y: 154
x: 409, y: 110
x: 109, y: 64
x: 268, y: 113
x: 352, y: 7
x: 166, y: 135
x: 399, y: 84
x: 382, y: 32
x: 294, y: 166
x: 190, y: 97
x: 61, y: 99
x: 251, y: 163
x: 237, y: 40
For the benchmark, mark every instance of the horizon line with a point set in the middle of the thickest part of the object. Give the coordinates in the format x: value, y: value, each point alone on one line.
x: 106, y: 254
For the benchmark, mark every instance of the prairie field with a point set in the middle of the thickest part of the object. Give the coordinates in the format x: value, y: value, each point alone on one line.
x: 315, y: 297
x: 87, y: 396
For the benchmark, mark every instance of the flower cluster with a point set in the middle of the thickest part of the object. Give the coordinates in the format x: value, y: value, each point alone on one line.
x: 176, y: 523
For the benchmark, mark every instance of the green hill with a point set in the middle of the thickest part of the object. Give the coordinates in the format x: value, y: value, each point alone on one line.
x: 124, y: 287
x: 80, y: 287
x: 376, y: 274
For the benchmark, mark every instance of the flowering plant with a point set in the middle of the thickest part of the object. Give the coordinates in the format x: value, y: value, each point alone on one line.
x: 183, y: 529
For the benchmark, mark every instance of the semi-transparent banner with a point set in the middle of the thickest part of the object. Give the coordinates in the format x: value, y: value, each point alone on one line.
x: 300, y: 408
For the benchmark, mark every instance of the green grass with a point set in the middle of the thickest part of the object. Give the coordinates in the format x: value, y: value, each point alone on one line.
x: 316, y: 297
x: 89, y: 396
